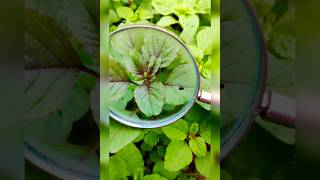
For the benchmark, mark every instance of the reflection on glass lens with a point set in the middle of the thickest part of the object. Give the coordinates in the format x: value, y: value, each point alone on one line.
x: 152, y: 76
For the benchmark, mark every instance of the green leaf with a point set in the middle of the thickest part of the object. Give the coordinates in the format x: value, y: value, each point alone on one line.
x: 84, y: 30
x: 160, y: 47
x: 205, y: 39
x: 145, y: 10
x: 178, y: 156
x: 198, y: 146
x: 203, y: 165
x: 146, y: 147
x: 164, y: 7
x: 158, y: 168
x: 179, y: 85
x: 153, y: 177
x: 154, y: 157
x: 167, y: 21
x: 150, y: 99
x: 151, y: 138
x: 194, y: 128
x: 118, y: 81
x: 126, y: 13
x: 190, y: 26
x: 118, y: 168
x: 51, y: 65
x: 177, y: 130
x: 196, y: 52
x: 203, y: 6
x: 133, y: 159
x: 120, y: 136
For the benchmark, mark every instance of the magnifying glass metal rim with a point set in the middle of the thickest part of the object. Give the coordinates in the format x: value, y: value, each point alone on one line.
x: 169, y: 120
x: 242, y: 129
x: 54, y: 168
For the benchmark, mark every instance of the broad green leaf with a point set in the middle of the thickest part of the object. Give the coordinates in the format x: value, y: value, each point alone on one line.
x: 113, y: 16
x: 84, y: 30
x: 118, y: 81
x: 205, y: 129
x: 196, y: 52
x: 133, y: 159
x: 118, y: 168
x: 205, y: 39
x: 151, y: 138
x: 120, y: 136
x: 177, y: 130
x: 154, y: 157
x: 185, y: 7
x: 178, y: 156
x: 194, y: 128
x: 145, y: 10
x: 179, y: 85
x: 190, y: 26
x: 164, y: 7
x: 204, y: 165
x: 158, y: 168
x: 51, y: 65
x: 198, y: 146
x: 167, y: 21
x: 203, y: 6
x: 159, y: 47
x: 153, y: 177
x: 146, y: 147
x: 126, y: 13
x: 150, y: 99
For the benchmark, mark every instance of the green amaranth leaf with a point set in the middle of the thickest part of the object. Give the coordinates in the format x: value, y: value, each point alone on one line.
x: 158, y: 168
x: 118, y: 81
x: 85, y: 29
x: 151, y: 138
x: 120, y: 136
x: 198, y: 146
x: 177, y: 130
x: 205, y: 39
x: 150, y: 99
x: 179, y: 85
x: 203, y: 165
x: 153, y: 177
x: 145, y: 10
x: 118, y: 168
x: 164, y: 7
x: 126, y: 13
x: 51, y: 65
x: 133, y: 159
x: 194, y: 128
x: 154, y: 157
x: 190, y: 26
x: 178, y: 156
x: 166, y: 21
x: 203, y: 6
x: 159, y: 47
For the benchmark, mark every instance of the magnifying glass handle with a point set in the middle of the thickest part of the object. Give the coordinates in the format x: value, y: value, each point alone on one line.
x: 278, y: 109
x: 212, y: 98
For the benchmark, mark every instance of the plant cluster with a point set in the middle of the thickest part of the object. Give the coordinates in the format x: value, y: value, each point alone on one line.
x: 149, y: 66
x: 180, y: 150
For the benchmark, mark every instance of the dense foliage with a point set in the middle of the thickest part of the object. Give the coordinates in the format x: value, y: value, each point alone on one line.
x: 180, y: 150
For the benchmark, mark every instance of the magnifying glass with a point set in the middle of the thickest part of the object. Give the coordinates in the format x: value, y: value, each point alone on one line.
x: 244, y: 70
x: 153, y: 77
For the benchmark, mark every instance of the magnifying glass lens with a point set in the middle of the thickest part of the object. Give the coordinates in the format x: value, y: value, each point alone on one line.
x: 153, y: 78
